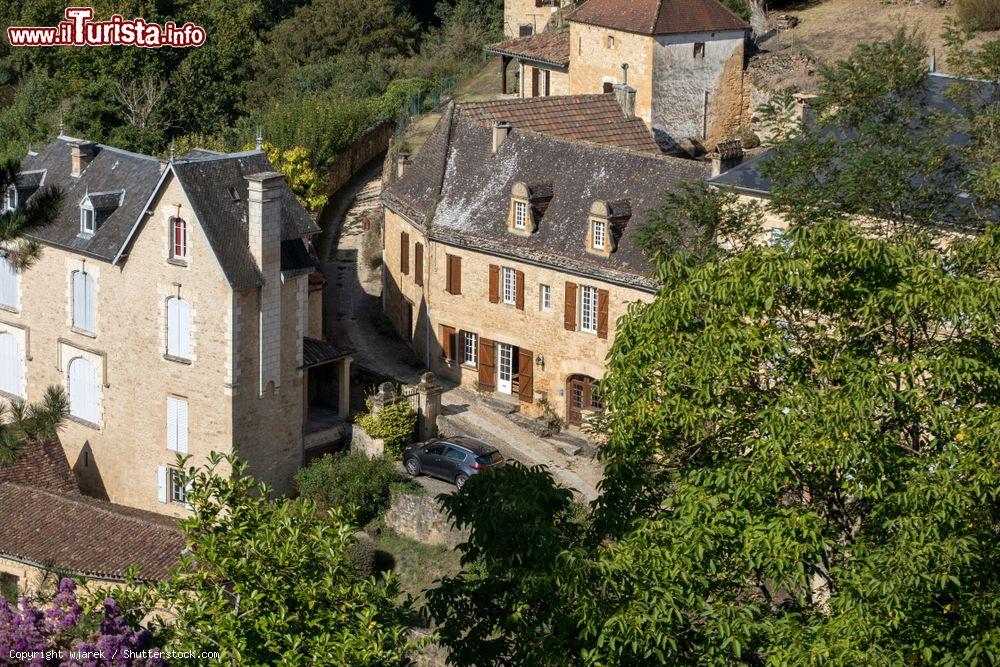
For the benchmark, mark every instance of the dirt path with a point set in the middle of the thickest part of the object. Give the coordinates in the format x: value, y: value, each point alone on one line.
x: 354, y: 295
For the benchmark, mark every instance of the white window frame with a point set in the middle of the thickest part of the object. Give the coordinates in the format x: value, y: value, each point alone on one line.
x: 11, y: 195
x: 520, y: 215
x: 178, y: 328
x: 179, y: 487
x: 177, y: 424
x: 544, y: 297
x: 599, y: 234
x: 88, y: 219
x: 509, y: 276
x: 12, y: 358
x: 470, y: 348
x: 10, y: 284
x: 84, y: 308
x: 588, y: 309
x: 183, y: 254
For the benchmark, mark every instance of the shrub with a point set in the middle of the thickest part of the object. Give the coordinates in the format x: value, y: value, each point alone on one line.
x: 362, y: 554
x: 395, y: 424
x: 360, y: 486
x: 980, y: 14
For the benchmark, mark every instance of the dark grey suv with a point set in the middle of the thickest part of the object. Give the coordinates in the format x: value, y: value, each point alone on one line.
x: 451, y: 459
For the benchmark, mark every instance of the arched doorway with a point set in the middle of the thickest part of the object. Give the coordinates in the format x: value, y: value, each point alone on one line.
x: 581, y: 398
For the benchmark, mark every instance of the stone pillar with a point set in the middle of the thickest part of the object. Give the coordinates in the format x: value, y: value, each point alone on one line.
x: 344, y: 393
x: 385, y: 396
x: 429, y: 393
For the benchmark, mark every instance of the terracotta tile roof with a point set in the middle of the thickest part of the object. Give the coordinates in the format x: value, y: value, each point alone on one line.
x: 597, y: 118
x: 316, y: 352
x: 83, y: 536
x: 550, y: 48
x: 42, y: 464
x: 659, y: 17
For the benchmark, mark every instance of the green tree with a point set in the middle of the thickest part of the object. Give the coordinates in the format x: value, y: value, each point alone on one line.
x: 22, y: 422
x: 269, y: 582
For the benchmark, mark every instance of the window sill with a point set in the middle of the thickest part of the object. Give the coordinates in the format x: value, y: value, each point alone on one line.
x: 83, y: 422
x: 467, y: 364
x: 173, y: 261
x: 83, y: 332
x: 179, y: 360
x: 10, y: 309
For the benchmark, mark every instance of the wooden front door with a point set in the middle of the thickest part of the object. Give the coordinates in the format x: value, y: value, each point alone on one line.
x: 581, y: 399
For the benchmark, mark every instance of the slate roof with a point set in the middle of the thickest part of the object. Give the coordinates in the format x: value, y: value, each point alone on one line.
x: 83, y: 536
x: 546, y: 48
x: 465, y: 188
x: 42, y: 464
x: 206, y: 177
x: 597, y: 118
x: 749, y: 178
x: 316, y: 352
x: 659, y: 17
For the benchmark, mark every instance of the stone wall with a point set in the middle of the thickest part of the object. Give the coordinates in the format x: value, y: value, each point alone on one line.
x: 524, y: 12
x: 558, y: 81
x: 344, y: 165
x: 362, y: 442
x: 421, y: 518
x: 593, y: 63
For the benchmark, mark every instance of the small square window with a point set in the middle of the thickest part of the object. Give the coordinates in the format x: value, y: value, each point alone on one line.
x: 544, y: 297
x: 88, y: 221
x: 611, y: 41
x: 520, y: 215
x: 699, y: 49
x: 600, y: 228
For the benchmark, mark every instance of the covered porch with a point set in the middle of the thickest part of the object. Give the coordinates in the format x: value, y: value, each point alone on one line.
x: 327, y: 388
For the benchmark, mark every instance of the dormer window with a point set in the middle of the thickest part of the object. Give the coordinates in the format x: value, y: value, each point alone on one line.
x: 178, y: 239
x: 10, y: 203
x: 88, y: 219
x: 605, y: 224
x: 520, y: 215
x: 599, y: 234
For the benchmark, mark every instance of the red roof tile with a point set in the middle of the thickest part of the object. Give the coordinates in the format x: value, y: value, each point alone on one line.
x: 42, y: 464
x: 84, y: 536
x: 659, y: 17
x: 596, y: 118
x: 550, y: 48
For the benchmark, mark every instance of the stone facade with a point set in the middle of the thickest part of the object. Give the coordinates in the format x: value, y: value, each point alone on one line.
x: 596, y: 58
x: 558, y: 82
x: 563, y: 353
x: 421, y: 518
x: 118, y: 457
x: 519, y: 14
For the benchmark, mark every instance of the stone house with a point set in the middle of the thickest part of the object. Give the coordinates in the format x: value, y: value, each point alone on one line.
x: 509, y: 244
x: 522, y: 18
x: 684, y: 58
x: 172, y: 303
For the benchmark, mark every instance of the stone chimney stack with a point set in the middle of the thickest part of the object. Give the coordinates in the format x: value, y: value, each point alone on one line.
x: 625, y: 95
x: 264, y: 226
x: 728, y: 154
x: 402, y: 164
x: 81, y: 152
x: 500, y: 131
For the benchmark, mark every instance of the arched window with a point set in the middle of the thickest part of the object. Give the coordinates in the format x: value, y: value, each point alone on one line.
x: 11, y: 365
x: 9, y: 283
x: 83, y: 301
x: 178, y: 238
x: 178, y: 328
x: 84, y: 390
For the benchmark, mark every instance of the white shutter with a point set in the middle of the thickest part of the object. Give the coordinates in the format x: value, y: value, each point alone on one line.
x: 88, y: 302
x: 8, y: 283
x: 172, y: 423
x: 11, y: 365
x: 172, y: 327
x: 79, y: 300
x: 177, y: 425
x: 83, y: 390
x: 161, y: 483
x: 183, y: 329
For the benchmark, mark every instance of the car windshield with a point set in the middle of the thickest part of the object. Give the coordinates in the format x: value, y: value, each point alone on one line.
x: 488, y: 459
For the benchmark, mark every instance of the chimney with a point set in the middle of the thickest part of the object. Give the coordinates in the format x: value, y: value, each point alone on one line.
x: 803, y: 104
x: 402, y: 164
x: 264, y: 232
x: 81, y: 152
x: 625, y: 95
x: 727, y: 155
x: 500, y: 131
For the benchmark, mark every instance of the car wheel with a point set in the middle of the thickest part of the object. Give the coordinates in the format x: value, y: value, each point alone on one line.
x: 412, y: 467
x: 460, y: 481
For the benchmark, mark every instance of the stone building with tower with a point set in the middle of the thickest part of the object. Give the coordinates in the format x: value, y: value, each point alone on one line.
x: 684, y: 58
x: 172, y: 303
x: 509, y: 244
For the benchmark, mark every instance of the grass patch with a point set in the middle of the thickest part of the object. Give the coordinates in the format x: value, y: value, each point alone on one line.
x: 417, y: 565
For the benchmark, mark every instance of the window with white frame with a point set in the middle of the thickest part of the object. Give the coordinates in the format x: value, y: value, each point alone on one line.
x: 599, y: 234
x: 178, y: 486
x: 544, y: 297
x: 10, y: 282
x: 470, y: 348
x: 10, y: 202
x: 509, y: 285
x: 84, y: 390
x: 83, y: 301
x: 11, y: 365
x: 588, y: 309
x: 178, y: 328
x: 177, y: 425
x: 178, y: 239
x: 172, y: 485
x: 88, y: 219
x: 520, y: 215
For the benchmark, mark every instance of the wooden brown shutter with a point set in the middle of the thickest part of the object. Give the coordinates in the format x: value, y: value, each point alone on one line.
x: 534, y: 82
x: 404, y: 253
x: 602, y: 313
x: 569, y: 318
x: 418, y: 263
x: 494, y: 283
x: 453, y: 279
x: 548, y: 79
x: 525, y: 382
x: 487, y: 365
x: 519, y: 289
x: 448, y: 342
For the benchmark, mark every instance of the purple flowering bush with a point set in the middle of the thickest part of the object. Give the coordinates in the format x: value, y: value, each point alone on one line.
x: 62, y: 634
